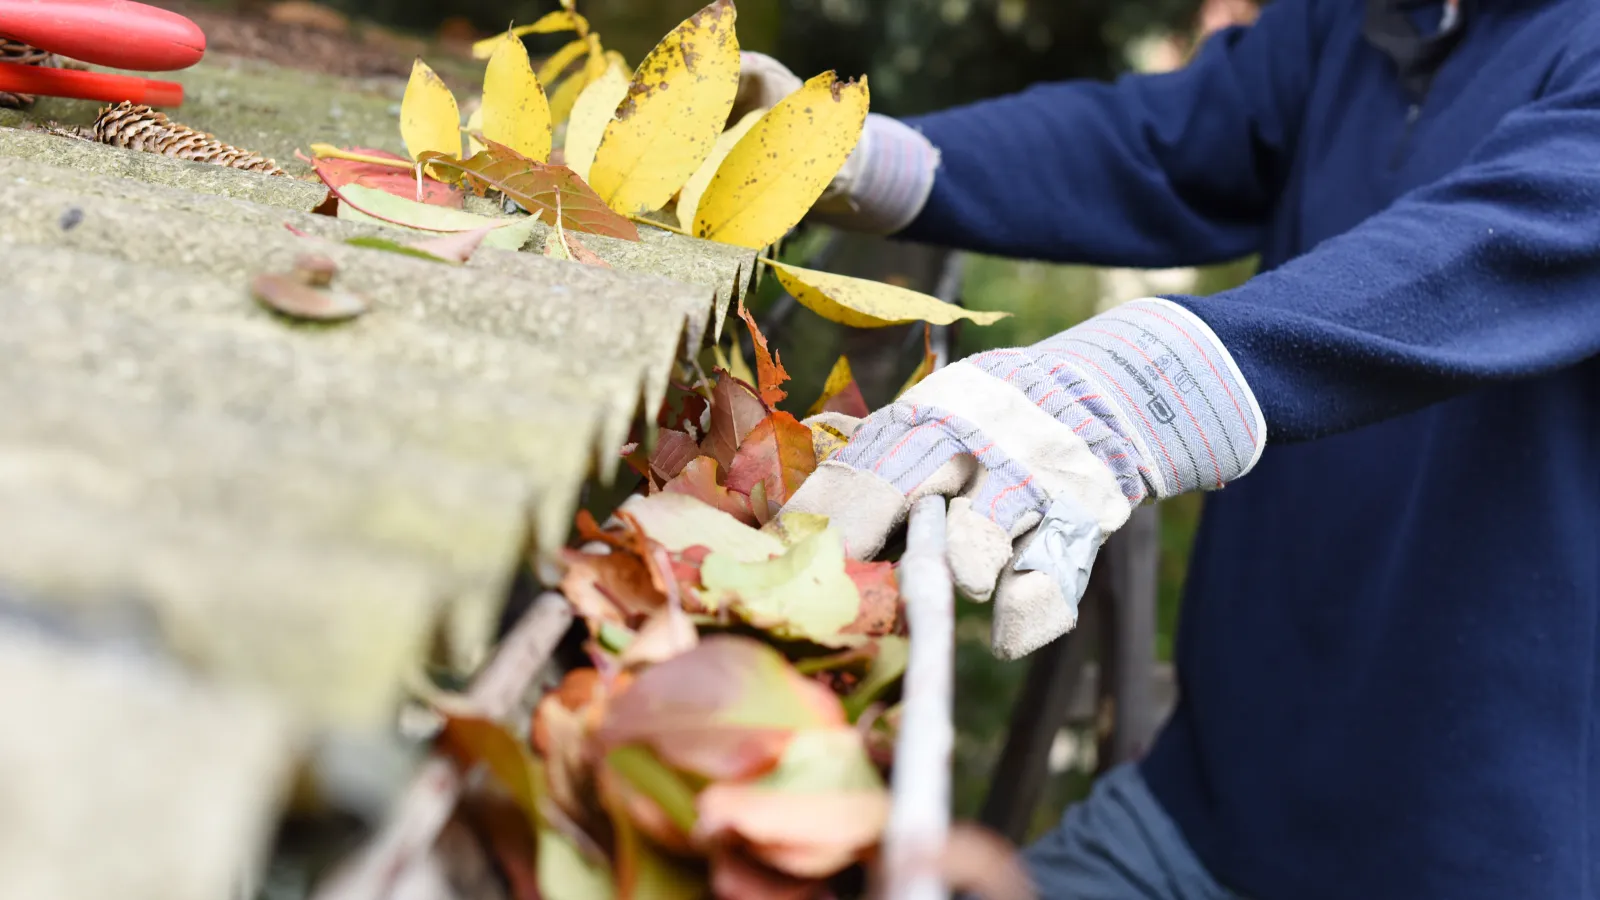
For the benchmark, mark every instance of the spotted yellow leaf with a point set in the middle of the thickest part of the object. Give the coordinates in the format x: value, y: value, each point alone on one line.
x: 515, y: 111
x: 591, y: 114
x: 429, y: 117
x: 860, y: 303
x: 675, y: 109
x: 550, y: 23
x: 775, y: 173
x: 689, y: 199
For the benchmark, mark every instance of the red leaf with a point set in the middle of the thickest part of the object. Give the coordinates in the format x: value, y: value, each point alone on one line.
x: 735, y: 411
x: 725, y: 710
x: 698, y: 479
x: 769, y: 370
x: 674, y: 450
x: 778, y: 455
x: 848, y: 401
x: 880, y: 598
x: 536, y: 186
x: 400, y: 182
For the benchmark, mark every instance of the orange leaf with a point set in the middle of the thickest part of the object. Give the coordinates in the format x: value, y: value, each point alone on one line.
x: 615, y: 587
x: 400, y: 182
x: 769, y: 371
x: 537, y: 186
x: 698, y: 479
x: 735, y: 411
x: 880, y: 598
x: 807, y: 834
x: 778, y: 455
x: 735, y: 875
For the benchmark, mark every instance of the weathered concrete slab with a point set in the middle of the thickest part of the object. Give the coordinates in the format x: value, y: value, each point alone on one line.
x: 124, y: 779
x: 73, y: 165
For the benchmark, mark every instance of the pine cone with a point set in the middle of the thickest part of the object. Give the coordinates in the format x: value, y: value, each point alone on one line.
x: 18, y: 52
x: 142, y: 128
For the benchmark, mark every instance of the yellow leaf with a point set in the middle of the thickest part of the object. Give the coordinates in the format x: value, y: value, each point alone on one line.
x: 429, y: 117
x: 515, y: 111
x: 689, y: 199
x: 550, y: 23
x: 771, y: 179
x: 475, y: 126
x: 826, y: 441
x: 590, y: 114
x: 550, y: 70
x: 676, y: 108
x: 860, y: 303
x: 566, y: 93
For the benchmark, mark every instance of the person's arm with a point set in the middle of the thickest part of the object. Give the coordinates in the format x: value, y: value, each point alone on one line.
x: 1151, y: 171
x: 1487, y: 275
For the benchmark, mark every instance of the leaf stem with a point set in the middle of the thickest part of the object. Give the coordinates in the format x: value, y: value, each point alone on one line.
x: 661, y: 225
x: 327, y: 151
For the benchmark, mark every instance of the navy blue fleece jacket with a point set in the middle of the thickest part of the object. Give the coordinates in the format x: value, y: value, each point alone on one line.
x: 1389, y: 644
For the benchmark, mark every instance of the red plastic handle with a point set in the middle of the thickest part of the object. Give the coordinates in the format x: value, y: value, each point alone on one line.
x: 121, y: 34
x: 101, y: 86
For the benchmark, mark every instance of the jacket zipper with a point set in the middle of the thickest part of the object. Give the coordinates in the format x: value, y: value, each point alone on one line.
x: 1413, y: 113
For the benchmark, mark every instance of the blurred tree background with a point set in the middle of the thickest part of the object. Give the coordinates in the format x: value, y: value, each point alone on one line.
x: 922, y: 55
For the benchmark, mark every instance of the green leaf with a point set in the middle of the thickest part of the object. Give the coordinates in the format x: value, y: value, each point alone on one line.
x: 565, y: 874
x: 804, y: 594
x: 893, y: 653
x: 364, y: 204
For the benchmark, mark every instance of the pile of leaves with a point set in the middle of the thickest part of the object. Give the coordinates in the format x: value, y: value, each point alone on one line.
x: 653, y: 147
x: 733, y: 734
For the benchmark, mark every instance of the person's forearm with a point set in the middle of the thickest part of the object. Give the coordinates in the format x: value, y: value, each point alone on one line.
x: 1486, y: 276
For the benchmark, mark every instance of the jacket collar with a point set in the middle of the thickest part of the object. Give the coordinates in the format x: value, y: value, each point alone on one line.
x: 1417, y: 57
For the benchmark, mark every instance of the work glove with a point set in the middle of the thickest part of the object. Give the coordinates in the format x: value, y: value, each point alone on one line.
x: 885, y: 181
x: 1044, y: 451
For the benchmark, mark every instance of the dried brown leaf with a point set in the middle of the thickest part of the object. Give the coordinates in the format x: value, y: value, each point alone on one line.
x: 538, y: 186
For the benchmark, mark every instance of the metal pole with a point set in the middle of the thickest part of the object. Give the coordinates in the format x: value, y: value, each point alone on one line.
x: 919, y: 821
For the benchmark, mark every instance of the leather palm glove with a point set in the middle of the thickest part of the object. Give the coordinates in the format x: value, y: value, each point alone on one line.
x: 1044, y: 452
x: 882, y: 185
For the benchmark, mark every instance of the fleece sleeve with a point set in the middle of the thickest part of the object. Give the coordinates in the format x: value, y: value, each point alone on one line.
x: 1489, y: 274
x: 1150, y: 171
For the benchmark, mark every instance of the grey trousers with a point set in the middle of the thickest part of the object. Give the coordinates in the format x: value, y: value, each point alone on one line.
x: 1119, y: 844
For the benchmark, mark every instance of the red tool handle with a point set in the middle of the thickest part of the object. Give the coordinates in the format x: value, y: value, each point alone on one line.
x: 120, y: 34
x: 100, y: 86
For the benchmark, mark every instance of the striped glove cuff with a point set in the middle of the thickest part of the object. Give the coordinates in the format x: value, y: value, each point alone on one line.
x: 1154, y: 375
x: 885, y: 183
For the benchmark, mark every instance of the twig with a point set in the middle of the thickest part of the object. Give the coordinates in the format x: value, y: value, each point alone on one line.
x: 641, y: 220
x: 919, y: 821
x: 422, y: 811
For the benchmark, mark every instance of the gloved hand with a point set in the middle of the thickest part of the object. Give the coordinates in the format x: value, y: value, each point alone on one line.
x: 882, y: 185
x: 1045, y: 451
